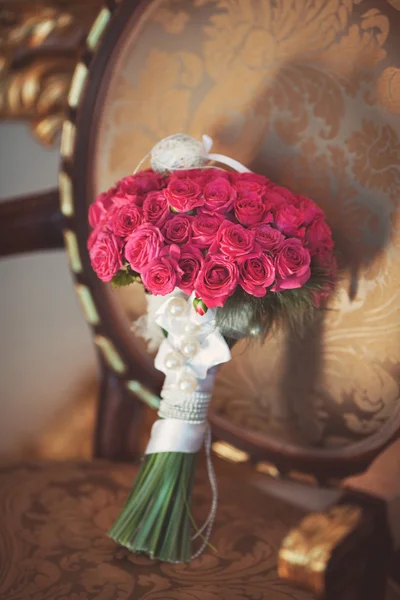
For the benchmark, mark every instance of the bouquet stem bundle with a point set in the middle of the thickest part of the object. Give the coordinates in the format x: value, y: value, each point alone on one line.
x: 233, y: 254
x: 156, y: 518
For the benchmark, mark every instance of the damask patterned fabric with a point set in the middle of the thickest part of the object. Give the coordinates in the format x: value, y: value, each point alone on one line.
x: 308, y: 93
x: 53, y: 543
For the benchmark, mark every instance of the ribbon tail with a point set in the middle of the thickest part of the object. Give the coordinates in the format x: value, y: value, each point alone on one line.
x: 230, y: 162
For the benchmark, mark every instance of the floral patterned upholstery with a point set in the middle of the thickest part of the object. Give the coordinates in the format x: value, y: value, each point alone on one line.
x: 307, y: 93
x: 53, y: 543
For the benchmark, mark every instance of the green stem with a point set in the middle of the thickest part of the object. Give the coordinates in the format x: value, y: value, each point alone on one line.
x: 156, y: 518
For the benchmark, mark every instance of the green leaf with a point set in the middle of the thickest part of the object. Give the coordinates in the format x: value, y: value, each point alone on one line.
x: 123, y: 278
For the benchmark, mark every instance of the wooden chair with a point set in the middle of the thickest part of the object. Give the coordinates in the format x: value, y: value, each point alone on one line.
x: 307, y: 93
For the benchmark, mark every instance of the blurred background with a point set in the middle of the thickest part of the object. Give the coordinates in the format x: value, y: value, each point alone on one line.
x: 47, y: 356
x: 47, y: 362
x: 319, y: 113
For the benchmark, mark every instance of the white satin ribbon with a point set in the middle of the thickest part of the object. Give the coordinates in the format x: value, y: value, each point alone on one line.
x: 213, y: 350
x: 173, y: 435
x: 183, y: 426
x: 193, y: 435
x: 221, y: 158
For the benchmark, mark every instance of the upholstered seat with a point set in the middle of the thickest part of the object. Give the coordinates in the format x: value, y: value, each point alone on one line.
x: 53, y: 542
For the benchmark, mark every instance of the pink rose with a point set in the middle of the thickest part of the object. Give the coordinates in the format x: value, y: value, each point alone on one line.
x: 160, y: 276
x: 256, y: 273
x: 250, y: 209
x: 142, y: 183
x: 318, y: 235
x: 204, y: 230
x: 121, y: 198
x: 210, y: 174
x: 190, y: 263
x: 292, y: 265
x: 149, y: 180
x: 130, y: 189
x: 251, y: 182
x: 217, y: 280
x: 156, y: 208
x: 201, y: 176
x: 126, y: 219
x: 197, y: 175
x: 325, y: 260
x: 219, y: 196
x: 94, y: 236
x: 177, y: 230
x: 268, y: 238
x: 183, y: 195
x: 277, y: 196
x: 99, y: 208
x: 233, y: 240
x: 143, y: 245
x: 289, y: 220
x: 106, y: 256
x: 308, y: 208
x: 104, y: 227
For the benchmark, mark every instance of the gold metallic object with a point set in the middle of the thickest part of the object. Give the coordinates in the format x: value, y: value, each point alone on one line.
x: 87, y: 303
x: 39, y: 49
x: 304, y: 478
x: 143, y: 393
x: 268, y: 469
x: 77, y: 84
x: 37, y: 92
x: 67, y: 139
x: 97, y: 29
x: 66, y: 197
x: 229, y: 452
x: 71, y: 244
x: 305, y: 552
x: 110, y: 353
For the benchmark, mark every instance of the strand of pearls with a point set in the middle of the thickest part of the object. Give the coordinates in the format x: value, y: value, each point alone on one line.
x: 184, y: 396
x: 185, y: 347
x: 192, y: 408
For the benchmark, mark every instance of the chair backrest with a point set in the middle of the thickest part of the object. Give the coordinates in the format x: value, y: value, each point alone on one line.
x: 309, y: 95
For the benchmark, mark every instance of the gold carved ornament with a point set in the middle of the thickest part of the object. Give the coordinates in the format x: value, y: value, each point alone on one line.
x: 306, y: 550
x: 39, y: 48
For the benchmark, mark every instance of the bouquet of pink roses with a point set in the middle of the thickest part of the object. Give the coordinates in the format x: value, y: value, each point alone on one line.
x: 232, y: 253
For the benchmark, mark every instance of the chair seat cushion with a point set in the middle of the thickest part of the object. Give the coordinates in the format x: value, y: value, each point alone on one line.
x: 53, y: 543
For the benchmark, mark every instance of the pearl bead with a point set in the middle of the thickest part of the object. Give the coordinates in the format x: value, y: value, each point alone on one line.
x: 174, y: 360
x: 255, y: 330
x: 189, y: 347
x: 192, y: 328
x: 187, y: 383
x: 177, y: 307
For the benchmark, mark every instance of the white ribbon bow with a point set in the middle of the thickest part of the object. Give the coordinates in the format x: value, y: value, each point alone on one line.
x: 182, y: 151
x: 213, y: 350
x: 221, y: 158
